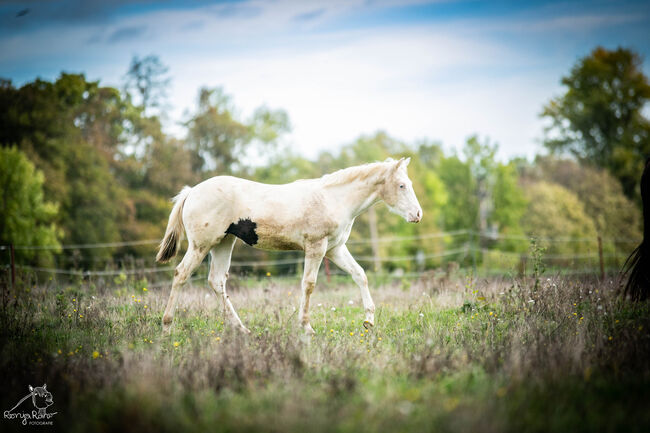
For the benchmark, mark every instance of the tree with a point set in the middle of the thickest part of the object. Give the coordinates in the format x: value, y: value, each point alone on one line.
x: 147, y: 77
x: 555, y: 212
x: 599, y: 119
x: 615, y: 215
x: 220, y: 142
x: 26, y: 218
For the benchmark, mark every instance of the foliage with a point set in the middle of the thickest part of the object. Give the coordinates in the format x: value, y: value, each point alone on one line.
x: 27, y: 219
x: 600, y: 118
x: 555, y: 212
x: 147, y: 77
x: 615, y: 216
x: 219, y: 141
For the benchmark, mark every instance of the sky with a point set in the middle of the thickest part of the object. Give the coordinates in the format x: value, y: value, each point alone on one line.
x: 419, y: 70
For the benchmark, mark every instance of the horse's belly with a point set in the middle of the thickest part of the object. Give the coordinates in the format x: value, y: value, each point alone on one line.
x: 274, y: 237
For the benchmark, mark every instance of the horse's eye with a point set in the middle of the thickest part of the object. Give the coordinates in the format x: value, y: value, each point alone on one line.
x: 402, y: 186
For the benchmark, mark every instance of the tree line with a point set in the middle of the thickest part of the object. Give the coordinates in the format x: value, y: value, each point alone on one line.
x: 81, y: 163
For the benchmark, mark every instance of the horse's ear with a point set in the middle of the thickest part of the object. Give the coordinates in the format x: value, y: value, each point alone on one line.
x: 403, y: 161
x: 45, y: 386
x: 31, y: 389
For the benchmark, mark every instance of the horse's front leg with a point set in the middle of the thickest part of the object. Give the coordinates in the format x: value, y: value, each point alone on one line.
x: 314, y: 253
x: 344, y: 260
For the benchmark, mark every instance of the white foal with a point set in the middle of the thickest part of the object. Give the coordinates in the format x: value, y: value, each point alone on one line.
x: 314, y: 215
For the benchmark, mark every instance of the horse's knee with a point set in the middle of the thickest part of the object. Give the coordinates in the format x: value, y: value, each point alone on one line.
x: 308, y: 286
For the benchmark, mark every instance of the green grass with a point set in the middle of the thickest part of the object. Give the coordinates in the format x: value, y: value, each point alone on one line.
x: 466, y: 355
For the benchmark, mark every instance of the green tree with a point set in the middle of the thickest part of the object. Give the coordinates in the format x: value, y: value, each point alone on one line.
x: 555, y: 212
x: 221, y: 143
x: 600, y: 119
x: 148, y: 78
x: 26, y: 218
x: 615, y: 216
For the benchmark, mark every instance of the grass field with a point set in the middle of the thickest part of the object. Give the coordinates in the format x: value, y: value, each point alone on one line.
x: 457, y: 356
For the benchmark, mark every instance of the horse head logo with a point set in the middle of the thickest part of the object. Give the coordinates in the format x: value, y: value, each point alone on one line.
x: 41, y: 397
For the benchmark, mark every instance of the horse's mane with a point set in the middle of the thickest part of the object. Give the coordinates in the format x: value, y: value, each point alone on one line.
x: 357, y: 173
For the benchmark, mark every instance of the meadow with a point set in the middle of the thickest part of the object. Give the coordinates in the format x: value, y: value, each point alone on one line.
x: 452, y: 355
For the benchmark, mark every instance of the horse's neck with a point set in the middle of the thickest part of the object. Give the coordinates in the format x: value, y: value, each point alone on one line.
x: 357, y: 196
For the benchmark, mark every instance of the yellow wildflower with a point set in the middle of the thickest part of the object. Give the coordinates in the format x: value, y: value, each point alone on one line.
x: 95, y: 354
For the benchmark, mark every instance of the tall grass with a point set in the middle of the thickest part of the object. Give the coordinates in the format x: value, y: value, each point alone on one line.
x: 561, y: 354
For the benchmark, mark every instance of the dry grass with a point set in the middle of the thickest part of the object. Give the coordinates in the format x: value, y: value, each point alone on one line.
x: 481, y: 355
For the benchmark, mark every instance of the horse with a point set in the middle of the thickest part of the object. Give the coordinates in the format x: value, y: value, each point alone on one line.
x: 637, y: 264
x: 312, y: 215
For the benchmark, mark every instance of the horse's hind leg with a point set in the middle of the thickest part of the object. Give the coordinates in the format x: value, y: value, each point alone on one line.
x: 219, y: 265
x: 192, y: 259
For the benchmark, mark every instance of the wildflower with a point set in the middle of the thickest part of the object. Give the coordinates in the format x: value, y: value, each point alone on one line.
x: 379, y: 338
x: 74, y: 299
x: 145, y: 306
x: 331, y: 330
x: 268, y: 274
x: 176, y: 344
x: 333, y: 309
x: 350, y: 302
x: 421, y: 314
x: 361, y: 341
x: 95, y: 354
x: 491, y: 313
x: 81, y: 316
x: 351, y: 334
x: 610, y: 338
x: 641, y: 328
x: 70, y: 353
x: 59, y: 351
x: 617, y: 321
x: 144, y: 289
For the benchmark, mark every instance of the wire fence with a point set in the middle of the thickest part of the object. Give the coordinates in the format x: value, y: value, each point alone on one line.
x: 464, y: 247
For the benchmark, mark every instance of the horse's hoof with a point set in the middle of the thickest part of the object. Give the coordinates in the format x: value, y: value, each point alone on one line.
x: 245, y: 330
x: 367, y: 324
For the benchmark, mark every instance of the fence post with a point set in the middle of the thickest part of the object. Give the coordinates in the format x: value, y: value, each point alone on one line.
x: 374, y: 238
x: 13, y: 266
x: 600, y: 258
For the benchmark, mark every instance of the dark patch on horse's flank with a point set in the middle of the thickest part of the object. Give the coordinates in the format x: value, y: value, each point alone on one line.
x: 244, y: 230
x: 206, y: 224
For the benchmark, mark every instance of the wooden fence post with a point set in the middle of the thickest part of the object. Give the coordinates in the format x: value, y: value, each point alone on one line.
x: 13, y: 267
x: 600, y: 258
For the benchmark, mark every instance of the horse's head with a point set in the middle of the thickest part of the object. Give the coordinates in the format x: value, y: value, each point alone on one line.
x: 41, y: 397
x: 397, y: 192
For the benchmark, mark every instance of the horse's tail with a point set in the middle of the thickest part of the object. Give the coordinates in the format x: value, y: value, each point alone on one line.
x: 173, y: 234
x: 638, y: 264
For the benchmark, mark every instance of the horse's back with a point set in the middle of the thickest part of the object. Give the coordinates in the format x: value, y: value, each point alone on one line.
x: 266, y: 216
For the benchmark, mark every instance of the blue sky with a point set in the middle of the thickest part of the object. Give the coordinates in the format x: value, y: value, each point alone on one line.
x: 440, y: 70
